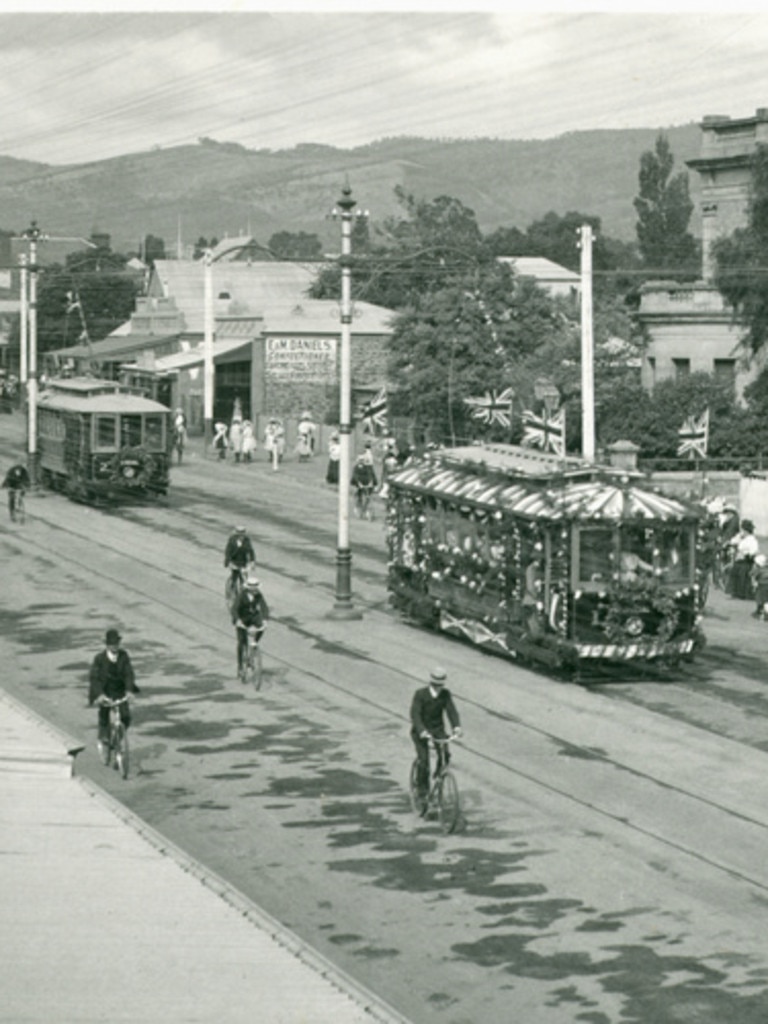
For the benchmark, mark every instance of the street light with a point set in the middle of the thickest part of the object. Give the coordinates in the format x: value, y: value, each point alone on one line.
x: 343, y: 609
x: 547, y: 392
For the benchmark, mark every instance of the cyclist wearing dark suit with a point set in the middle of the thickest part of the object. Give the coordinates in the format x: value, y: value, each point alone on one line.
x: 111, y: 676
x: 429, y: 708
x: 16, y: 479
x: 251, y: 610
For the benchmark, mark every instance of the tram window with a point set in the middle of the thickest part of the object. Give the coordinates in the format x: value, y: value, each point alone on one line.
x: 130, y: 431
x: 637, y: 552
x: 106, y: 432
x: 673, y: 553
x: 595, y: 551
x: 153, y: 432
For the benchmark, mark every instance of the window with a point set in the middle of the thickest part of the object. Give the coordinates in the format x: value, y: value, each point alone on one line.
x: 595, y: 555
x: 130, y: 431
x: 153, y: 433
x: 725, y: 371
x: 682, y: 368
x: 106, y: 432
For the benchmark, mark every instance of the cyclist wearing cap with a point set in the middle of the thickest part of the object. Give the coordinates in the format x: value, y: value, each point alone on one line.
x: 238, y: 556
x: 430, y: 706
x: 111, y: 676
x: 251, y: 610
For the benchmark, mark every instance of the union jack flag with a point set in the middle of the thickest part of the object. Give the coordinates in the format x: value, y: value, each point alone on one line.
x: 545, y: 432
x: 374, y: 413
x: 492, y: 407
x: 694, y: 436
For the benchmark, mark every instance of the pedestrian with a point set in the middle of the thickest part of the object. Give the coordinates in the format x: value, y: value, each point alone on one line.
x: 334, y: 454
x: 745, y: 547
x: 236, y: 438
x: 760, y: 584
x: 249, y: 441
x: 305, y: 446
x: 220, y: 442
x: 429, y: 707
x: 274, y: 440
x: 112, y: 677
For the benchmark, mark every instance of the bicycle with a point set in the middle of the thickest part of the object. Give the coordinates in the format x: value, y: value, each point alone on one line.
x: 364, y: 503
x: 117, y: 737
x: 17, y: 504
x: 233, y: 587
x: 250, y: 663
x: 442, y: 799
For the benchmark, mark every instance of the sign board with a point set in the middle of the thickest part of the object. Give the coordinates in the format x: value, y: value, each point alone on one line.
x: 301, y: 359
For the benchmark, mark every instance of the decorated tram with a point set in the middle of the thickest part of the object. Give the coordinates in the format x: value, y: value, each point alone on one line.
x: 100, y: 441
x: 551, y: 559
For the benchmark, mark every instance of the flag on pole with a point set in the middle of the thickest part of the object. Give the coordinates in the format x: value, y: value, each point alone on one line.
x: 545, y: 431
x: 374, y: 413
x: 492, y: 407
x: 694, y: 436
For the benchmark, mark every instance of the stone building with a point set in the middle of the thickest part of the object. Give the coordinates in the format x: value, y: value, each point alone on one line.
x: 690, y: 327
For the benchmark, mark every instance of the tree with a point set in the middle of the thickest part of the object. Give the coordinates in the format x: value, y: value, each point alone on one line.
x: 664, y: 211
x: 289, y: 245
x: 741, y: 259
x: 154, y: 249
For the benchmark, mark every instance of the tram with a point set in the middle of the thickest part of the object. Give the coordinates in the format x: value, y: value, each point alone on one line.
x: 553, y: 560
x: 99, y: 441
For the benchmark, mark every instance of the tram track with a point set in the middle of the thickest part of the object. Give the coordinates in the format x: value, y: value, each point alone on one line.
x: 514, y: 773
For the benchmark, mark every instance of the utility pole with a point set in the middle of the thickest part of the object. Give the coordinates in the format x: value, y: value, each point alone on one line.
x: 587, y: 348
x: 343, y: 608
x: 23, y: 324
x: 208, y: 327
x: 33, y: 235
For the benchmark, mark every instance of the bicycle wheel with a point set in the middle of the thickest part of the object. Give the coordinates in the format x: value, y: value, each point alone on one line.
x: 121, y: 751
x: 256, y: 667
x: 105, y: 750
x: 418, y: 803
x: 448, y: 803
x: 21, y: 513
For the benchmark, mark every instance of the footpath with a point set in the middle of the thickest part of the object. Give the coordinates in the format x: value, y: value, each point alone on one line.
x: 105, y: 921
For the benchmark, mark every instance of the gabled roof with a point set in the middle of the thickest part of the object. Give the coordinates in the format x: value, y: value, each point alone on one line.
x: 540, y: 268
x: 112, y: 346
x: 323, y: 316
x: 196, y: 356
x: 253, y: 288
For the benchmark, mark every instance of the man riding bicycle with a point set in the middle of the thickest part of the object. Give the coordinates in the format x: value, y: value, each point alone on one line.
x: 238, y: 556
x: 111, y: 676
x: 429, y: 706
x: 364, y: 481
x: 251, y: 610
x: 17, y: 481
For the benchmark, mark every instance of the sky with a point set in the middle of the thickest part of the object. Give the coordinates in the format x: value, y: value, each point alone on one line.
x: 97, y: 81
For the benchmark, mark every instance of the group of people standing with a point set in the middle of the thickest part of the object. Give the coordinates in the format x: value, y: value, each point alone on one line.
x: 239, y: 439
x: 745, y: 574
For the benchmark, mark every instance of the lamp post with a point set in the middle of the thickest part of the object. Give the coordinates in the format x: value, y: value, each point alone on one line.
x: 343, y: 608
x: 587, y: 348
x: 547, y: 392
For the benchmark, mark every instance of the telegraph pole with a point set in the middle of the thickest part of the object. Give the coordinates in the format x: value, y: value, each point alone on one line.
x: 587, y: 348
x: 343, y: 608
x: 208, y: 373
x: 23, y: 325
x: 33, y: 234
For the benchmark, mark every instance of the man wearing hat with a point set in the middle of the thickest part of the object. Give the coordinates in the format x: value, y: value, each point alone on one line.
x: 111, y: 676
x: 251, y: 610
x: 745, y: 547
x: 239, y: 556
x: 429, y: 707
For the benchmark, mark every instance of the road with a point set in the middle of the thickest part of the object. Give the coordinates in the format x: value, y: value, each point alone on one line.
x: 611, y: 863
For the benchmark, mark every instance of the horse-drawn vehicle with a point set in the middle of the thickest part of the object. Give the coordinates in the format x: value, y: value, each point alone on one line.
x: 555, y: 560
x: 98, y: 440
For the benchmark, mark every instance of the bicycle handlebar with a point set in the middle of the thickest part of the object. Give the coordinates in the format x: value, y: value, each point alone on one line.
x: 107, y: 702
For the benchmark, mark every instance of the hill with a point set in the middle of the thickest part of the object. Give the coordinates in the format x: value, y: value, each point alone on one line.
x: 218, y: 189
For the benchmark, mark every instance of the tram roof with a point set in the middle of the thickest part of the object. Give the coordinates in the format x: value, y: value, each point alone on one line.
x: 507, y: 481
x: 89, y: 394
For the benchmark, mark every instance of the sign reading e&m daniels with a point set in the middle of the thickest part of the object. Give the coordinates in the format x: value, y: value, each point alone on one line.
x: 301, y: 359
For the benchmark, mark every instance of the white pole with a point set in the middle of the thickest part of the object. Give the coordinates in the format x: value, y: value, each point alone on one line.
x: 208, y: 371
x: 33, y: 234
x: 587, y: 349
x: 343, y: 605
x: 23, y: 323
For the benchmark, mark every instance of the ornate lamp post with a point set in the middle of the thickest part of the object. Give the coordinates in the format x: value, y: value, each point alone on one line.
x: 343, y: 609
x: 33, y: 234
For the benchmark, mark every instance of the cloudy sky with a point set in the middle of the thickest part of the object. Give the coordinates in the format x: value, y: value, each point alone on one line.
x: 98, y: 81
